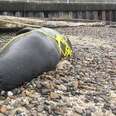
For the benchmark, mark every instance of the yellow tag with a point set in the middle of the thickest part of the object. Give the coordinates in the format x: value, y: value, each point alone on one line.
x: 63, y: 46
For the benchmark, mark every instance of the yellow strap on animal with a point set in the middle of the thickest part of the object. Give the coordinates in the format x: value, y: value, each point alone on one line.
x: 63, y: 46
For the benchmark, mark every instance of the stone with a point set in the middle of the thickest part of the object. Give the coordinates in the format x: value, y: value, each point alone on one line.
x: 2, y: 93
x: 34, y: 112
x: 54, y: 95
x: 16, y: 91
x: 76, y: 84
x: 113, y: 108
x: 47, y: 108
x: 3, y: 109
x: 113, y: 96
x: 27, y: 93
x: 41, y: 114
x: 40, y: 108
x: 10, y: 93
x: 107, y: 106
x: 45, y: 91
x: 78, y: 110
x: 62, y: 87
x: 88, y: 112
x: 20, y: 111
x: 64, y: 64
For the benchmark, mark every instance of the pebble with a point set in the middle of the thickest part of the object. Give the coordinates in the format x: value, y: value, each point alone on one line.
x: 45, y: 91
x: 2, y: 93
x: 107, y: 106
x: 54, y: 95
x: 10, y: 93
x: 47, y: 108
x: 62, y: 87
x: 113, y: 108
x: 3, y: 109
x: 19, y: 111
x: 88, y: 112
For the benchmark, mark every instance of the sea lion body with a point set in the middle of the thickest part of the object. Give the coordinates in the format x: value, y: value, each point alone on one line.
x: 25, y: 57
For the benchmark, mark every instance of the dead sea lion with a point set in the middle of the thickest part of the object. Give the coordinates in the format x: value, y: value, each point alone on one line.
x: 29, y: 54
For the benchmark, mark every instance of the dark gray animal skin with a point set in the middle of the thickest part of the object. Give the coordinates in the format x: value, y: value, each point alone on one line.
x: 26, y: 57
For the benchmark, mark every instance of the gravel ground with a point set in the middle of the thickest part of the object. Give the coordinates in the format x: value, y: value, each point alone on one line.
x: 84, y: 85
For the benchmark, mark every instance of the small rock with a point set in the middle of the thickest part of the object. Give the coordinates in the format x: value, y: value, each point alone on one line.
x: 2, y: 93
x: 58, y: 111
x: 62, y: 87
x: 10, y: 93
x: 96, y: 100
x: 40, y: 108
x: 74, y: 93
x: 46, y: 84
x: 64, y: 80
x: 16, y: 91
x: 64, y: 64
x: 47, y: 108
x: 54, y: 95
x: 78, y: 110
x: 38, y: 84
x: 20, y: 111
x: 33, y: 113
x: 45, y: 91
x: 113, y: 108
x: 107, y: 106
x: 27, y: 93
x: 76, y: 84
x: 86, y: 112
x: 41, y: 114
x: 113, y: 96
x: 92, y: 109
x: 3, y: 109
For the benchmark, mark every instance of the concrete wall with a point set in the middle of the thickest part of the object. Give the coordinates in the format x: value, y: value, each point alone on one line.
x: 66, y: 1
x: 23, y: 6
x: 89, y: 11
